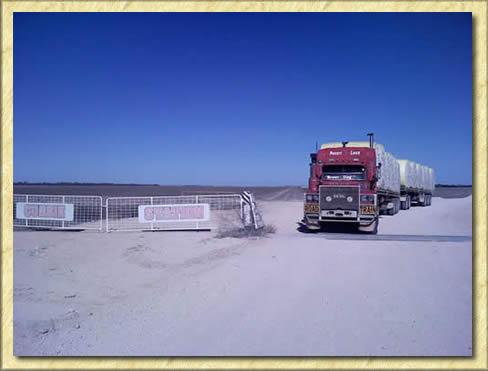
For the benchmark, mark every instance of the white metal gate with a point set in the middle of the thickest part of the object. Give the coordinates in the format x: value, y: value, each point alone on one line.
x: 57, y: 211
x: 173, y: 212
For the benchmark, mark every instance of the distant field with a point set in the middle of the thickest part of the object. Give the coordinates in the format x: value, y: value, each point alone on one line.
x: 284, y: 193
x: 453, y: 192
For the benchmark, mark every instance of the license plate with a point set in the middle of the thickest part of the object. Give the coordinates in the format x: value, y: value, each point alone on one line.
x: 368, y: 209
x: 311, y: 208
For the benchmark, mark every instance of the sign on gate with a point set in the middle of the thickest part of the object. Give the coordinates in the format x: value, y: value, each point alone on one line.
x: 47, y: 211
x: 174, y: 213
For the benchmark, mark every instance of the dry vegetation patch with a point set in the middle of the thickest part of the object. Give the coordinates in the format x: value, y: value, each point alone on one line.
x: 247, y: 232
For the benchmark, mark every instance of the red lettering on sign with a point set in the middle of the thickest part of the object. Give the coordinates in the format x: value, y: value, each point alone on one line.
x: 173, y: 212
x: 31, y: 210
x: 182, y: 212
x: 199, y: 212
x: 61, y: 212
x: 44, y: 211
x: 148, y: 213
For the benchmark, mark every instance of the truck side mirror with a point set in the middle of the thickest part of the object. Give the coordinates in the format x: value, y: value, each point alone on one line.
x: 313, y: 158
x: 378, y: 173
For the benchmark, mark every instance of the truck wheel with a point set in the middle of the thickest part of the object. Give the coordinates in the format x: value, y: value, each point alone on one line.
x: 403, y: 205
x: 409, y: 202
x: 422, y: 203
x: 371, y: 229
x: 308, y: 229
x: 395, y: 207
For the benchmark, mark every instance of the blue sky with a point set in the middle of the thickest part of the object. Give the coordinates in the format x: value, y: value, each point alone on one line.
x: 235, y: 98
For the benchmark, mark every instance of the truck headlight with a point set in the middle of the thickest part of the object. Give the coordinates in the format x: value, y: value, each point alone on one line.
x: 312, y: 197
x: 349, y: 199
x: 328, y: 199
x: 367, y: 199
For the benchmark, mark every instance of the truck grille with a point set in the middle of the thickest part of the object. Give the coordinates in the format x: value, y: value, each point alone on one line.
x: 339, y: 197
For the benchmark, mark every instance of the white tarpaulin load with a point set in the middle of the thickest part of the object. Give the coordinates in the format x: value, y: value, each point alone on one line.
x: 408, y: 174
x: 432, y: 179
x: 428, y: 183
x: 389, y: 171
x: 413, y: 175
x: 424, y: 176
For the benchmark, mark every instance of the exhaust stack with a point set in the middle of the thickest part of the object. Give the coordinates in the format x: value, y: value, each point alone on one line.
x: 371, y: 140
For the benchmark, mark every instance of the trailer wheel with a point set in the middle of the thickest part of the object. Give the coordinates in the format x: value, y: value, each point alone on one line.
x: 396, y: 207
x: 423, y: 203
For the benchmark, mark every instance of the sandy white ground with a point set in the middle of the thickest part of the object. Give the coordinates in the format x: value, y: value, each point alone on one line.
x: 187, y: 293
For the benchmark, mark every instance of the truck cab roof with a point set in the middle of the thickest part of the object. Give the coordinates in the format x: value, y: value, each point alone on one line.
x: 350, y: 144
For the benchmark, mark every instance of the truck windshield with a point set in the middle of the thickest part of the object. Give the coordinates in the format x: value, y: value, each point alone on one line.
x: 343, y: 172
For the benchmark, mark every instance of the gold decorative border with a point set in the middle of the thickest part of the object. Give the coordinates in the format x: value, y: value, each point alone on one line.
x: 480, y: 42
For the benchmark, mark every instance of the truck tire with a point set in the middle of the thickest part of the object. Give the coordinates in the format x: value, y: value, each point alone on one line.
x: 422, y: 203
x: 403, y: 205
x: 371, y: 229
x: 396, y: 207
x: 409, y: 202
x: 307, y: 229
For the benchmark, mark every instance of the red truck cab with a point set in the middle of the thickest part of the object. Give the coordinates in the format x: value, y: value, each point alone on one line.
x: 342, y: 188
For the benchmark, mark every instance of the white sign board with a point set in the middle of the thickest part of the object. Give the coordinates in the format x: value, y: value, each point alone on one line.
x: 173, y: 213
x: 44, y: 211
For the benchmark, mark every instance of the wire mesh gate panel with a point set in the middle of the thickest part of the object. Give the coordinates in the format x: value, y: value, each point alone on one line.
x: 58, y: 211
x: 173, y: 212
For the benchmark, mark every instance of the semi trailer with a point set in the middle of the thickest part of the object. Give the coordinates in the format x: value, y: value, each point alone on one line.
x: 417, y: 184
x: 355, y: 182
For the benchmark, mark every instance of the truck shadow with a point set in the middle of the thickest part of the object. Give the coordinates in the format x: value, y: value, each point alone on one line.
x: 350, y: 228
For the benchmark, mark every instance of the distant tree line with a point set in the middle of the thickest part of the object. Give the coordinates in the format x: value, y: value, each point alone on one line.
x: 78, y: 183
x: 136, y: 184
x: 453, y: 185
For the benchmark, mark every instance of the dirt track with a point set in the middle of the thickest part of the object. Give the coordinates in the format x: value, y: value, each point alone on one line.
x: 289, y: 294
